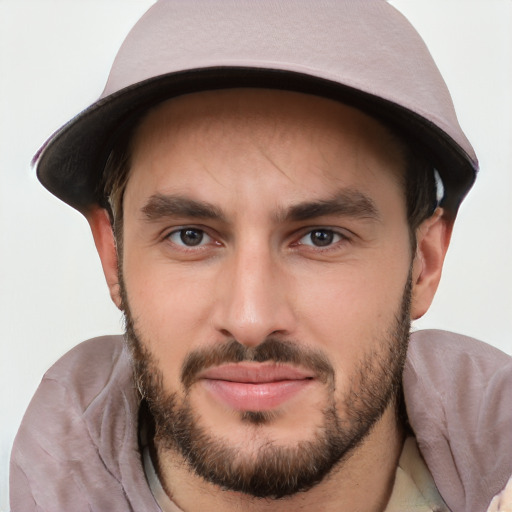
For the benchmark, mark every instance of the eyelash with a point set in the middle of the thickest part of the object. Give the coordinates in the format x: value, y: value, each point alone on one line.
x: 181, y: 232
x: 334, y: 238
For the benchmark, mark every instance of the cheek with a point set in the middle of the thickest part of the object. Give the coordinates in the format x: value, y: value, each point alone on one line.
x: 350, y: 311
x: 170, y: 311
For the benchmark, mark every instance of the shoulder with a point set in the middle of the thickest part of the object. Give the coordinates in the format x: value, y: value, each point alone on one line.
x: 77, y: 446
x: 458, y: 392
x: 87, y: 369
x: 431, y: 345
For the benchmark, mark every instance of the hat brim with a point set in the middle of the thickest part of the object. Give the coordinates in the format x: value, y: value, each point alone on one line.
x: 72, y: 161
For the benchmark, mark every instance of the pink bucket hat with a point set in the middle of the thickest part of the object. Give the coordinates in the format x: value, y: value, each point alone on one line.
x: 360, y: 52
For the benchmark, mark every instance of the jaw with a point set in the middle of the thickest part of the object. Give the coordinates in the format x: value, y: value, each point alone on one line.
x: 366, y: 475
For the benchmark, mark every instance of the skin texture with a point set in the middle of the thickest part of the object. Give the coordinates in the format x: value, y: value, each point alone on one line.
x: 249, y: 174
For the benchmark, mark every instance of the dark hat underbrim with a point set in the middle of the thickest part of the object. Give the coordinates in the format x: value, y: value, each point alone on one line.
x: 71, y: 163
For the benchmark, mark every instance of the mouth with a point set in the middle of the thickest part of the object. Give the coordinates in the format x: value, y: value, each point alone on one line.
x: 255, y: 386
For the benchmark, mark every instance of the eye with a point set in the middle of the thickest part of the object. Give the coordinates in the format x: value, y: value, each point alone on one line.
x: 321, y: 237
x: 189, y: 237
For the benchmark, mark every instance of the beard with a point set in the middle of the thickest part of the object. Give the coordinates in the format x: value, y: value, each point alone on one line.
x: 273, y: 470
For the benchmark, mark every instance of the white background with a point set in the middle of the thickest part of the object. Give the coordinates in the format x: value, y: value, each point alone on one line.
x: 55, y: 56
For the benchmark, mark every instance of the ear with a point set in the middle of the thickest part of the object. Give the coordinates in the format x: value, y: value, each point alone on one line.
x: 104, y: 240
x: 433, y: 238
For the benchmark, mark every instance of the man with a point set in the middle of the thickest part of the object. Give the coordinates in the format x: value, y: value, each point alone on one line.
x: 271, y: 191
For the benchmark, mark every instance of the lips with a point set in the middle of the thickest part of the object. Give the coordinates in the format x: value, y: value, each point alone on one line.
x: 255, y: 386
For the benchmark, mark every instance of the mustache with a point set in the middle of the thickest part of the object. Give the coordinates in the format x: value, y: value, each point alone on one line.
x: 271, y: 349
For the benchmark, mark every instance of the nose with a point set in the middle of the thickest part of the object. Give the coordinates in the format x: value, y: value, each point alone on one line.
x: 253, y: 298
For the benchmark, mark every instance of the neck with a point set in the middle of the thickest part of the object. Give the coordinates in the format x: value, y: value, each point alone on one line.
x: 362, y: 482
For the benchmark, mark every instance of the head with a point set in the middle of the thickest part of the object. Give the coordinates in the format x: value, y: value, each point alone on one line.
x: 265, y: 227
x: 270, y: 234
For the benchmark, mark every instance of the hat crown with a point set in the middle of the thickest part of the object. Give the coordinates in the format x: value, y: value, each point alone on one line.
x: 364, y: 44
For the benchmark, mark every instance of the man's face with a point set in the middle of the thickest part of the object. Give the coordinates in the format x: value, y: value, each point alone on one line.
x: 266, y: 267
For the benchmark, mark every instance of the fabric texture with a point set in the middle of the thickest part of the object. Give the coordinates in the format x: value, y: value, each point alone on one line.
x: 77, y: 448
x: 414, y: 489
x: 458, y: 394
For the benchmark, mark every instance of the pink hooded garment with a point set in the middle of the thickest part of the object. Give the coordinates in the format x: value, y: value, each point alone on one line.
x: 77, y: 448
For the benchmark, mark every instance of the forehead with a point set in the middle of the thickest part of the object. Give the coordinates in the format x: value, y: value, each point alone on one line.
x: 238, y: 137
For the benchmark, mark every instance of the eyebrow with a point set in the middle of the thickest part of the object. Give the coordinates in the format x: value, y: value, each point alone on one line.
x: 160, y: 206
x: 348, y: 202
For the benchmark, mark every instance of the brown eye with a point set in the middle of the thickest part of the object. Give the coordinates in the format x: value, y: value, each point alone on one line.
x: 189, y: 237
x: 322, y: 237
